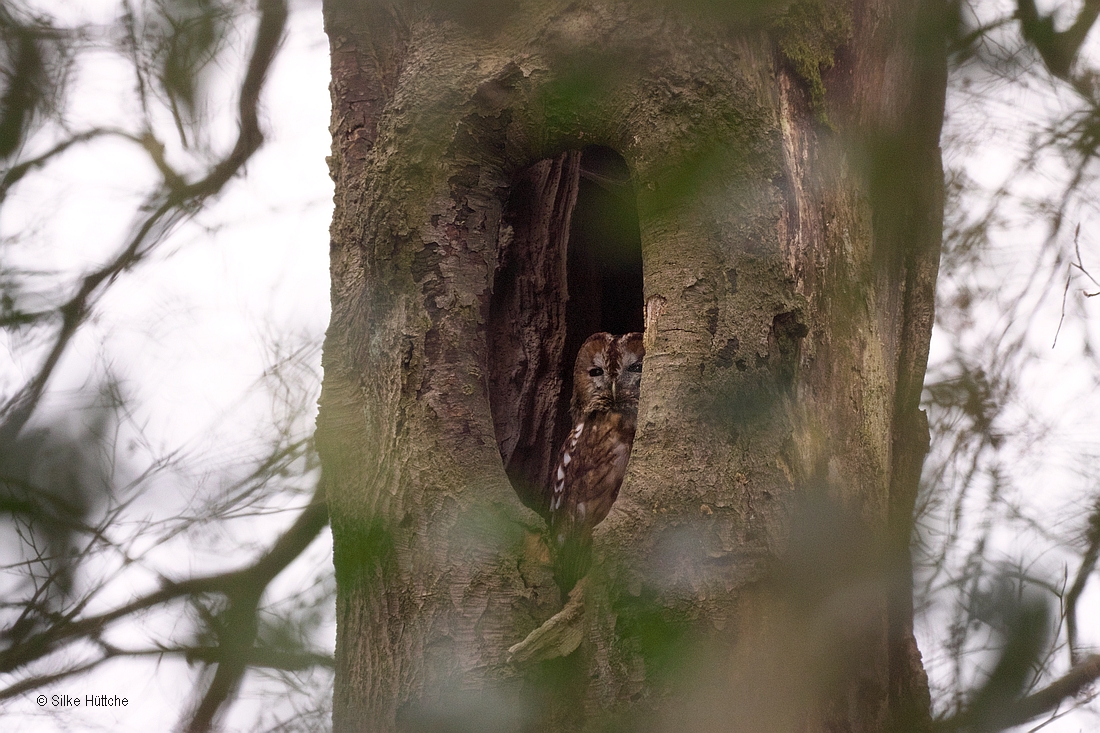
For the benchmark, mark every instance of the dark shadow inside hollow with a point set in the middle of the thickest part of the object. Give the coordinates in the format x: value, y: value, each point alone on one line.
x: 571, y: 267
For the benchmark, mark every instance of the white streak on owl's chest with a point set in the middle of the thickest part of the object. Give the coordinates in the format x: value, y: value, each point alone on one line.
x: 566, y: 458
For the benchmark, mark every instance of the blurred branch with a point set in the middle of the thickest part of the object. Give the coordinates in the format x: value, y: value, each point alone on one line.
x: 273, y: 15
x: 39, y: 504
x: 27, y: 79
x: 256, y: 656
x: 231, y: 638
x: 1088, y: 564
x: 1039, y: 703
x: 1048, y: 698
x: 169, y: 205
x: 236, y: 636
x: 1058, y: 49
x: 266, y: 657
x: 15, y: 174
x: 237, y: 629
x: 34, y: 683
x: 240, y: 493
x: 237, y: 584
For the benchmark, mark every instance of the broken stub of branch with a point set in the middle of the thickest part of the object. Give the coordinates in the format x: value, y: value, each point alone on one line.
x: 559, y: 636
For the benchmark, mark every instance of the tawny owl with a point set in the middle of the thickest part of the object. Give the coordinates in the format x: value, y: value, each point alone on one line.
x: 592, y: 461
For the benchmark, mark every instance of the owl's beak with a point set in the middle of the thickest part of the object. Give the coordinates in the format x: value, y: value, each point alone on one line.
x: 613, y: 391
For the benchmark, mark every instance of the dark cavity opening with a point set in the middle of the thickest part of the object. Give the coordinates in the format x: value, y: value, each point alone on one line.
x: 572, y: 267
x: 785, y: 348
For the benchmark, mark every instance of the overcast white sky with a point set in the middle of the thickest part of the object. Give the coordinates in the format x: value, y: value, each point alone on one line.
x: 190, y: 334
x: 1051, y: 430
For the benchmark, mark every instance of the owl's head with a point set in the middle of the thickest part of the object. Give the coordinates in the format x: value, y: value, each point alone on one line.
x: 608, y: 374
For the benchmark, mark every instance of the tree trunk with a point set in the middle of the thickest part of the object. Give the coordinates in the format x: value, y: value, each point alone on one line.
x: 773, y: 186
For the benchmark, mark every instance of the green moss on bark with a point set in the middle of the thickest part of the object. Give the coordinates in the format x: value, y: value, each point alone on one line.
x: 808, y: 34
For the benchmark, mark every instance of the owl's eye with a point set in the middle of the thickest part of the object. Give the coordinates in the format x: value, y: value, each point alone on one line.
x: 595, y: 372
x: 635, y: 367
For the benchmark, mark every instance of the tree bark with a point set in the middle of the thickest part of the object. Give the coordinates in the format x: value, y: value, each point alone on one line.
x: 754, y: 572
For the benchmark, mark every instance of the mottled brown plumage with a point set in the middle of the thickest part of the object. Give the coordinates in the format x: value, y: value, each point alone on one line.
x: 592, y: 461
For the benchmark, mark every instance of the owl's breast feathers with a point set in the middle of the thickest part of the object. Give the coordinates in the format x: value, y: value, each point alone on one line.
x: 589, y: 472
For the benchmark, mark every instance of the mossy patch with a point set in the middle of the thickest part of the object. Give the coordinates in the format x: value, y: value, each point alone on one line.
x: 808, y: 34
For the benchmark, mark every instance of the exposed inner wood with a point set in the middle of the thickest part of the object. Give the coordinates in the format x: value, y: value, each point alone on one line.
x: 572, y: 267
